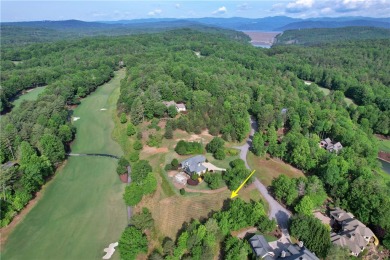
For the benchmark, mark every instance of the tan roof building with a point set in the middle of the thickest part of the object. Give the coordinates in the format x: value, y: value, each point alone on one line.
x: 354, y: 234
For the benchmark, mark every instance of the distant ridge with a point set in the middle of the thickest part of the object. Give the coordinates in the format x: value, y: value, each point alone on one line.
x: 276, y: 23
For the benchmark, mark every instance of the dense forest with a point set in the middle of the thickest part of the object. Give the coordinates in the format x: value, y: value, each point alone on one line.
x: 222, y: 84
x: 320, y: 36
x: 222, y: 80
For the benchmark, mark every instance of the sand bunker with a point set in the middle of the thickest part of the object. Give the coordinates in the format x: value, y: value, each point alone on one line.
x: 110, y: 250
x: 103, y: 109
x: 75, y: 118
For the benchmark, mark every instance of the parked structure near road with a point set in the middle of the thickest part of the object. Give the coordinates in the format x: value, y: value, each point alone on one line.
x: 330, y: 146
x: 262, y: 249
x: 353, y: 234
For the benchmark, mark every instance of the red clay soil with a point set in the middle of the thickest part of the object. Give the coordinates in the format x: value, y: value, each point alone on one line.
x: 123, y: 177
x: 384, y: 156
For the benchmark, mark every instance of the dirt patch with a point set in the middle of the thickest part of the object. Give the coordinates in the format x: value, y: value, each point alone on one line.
x: 123, y: 177
x: 204, y: 136
x: 148, y: 149
x: 384, y: 156
x: 324, y: 219
x: 242, y: 232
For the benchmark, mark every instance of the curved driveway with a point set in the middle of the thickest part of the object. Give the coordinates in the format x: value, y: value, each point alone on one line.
x: 276, y: 210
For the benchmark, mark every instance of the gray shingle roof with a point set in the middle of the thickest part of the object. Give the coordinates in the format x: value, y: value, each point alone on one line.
x: 194, y: 164
x: 260, y: 246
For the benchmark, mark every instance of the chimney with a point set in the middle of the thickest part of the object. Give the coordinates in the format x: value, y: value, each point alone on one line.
x: 300, y: 244
x: 283, y: 254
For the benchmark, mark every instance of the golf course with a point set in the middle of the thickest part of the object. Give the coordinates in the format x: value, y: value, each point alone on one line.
x: 81, y: 210
x: 31, y: 95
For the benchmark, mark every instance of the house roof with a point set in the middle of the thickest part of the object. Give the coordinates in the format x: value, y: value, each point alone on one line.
x: 341, y: 215
x: 353, y: 233
x: 294, y: 252
x: 194, y: 164
x: 260, y: 246
x: 181, y: 105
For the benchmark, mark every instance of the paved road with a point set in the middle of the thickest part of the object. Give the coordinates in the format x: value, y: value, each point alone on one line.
x: 276, y: 210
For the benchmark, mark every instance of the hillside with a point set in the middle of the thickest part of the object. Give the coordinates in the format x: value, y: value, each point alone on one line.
x: 327, y: 35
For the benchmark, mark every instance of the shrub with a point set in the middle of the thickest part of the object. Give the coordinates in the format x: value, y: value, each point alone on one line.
x: 175, y: 163
x: 184, y: 148
x: 130, y: 129
x: 168, y: 167
x: 231, y: 151
x: 182, y: 191
x: 123, y: 118
x: 139, y: 135
x: 131, y: 243
x: 133, y: 194
x: 137, y: 145
x: 220, y: 154
x: 122, y: 166
x: 214, y: 181
x: 215, y: 144
x: 154, y: 140
x: 134, y: 156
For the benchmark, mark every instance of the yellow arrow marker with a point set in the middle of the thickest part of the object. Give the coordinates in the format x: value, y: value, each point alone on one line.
x: 235, y: 192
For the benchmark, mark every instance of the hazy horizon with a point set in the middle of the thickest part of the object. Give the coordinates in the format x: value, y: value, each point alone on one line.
x: 18, y: 11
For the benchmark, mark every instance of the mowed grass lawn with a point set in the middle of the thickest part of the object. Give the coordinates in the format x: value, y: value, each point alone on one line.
x: 32, y: 95
x: 384, y: 145
x: 82, y: 210
x: 267, y: 170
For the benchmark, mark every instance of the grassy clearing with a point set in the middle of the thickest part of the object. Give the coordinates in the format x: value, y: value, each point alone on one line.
x: 170, y: 209
x: 326, y: 91
x: 82, y: 209
x: 384, y: 145
x: 29, y: 96
x: 267, y: 170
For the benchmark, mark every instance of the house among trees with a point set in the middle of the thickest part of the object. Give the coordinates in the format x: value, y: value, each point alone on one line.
x: 330, y: 146
x: 198, y: 165
x: 353, y: 234
x: 180, y: 107
x: 262, y: 250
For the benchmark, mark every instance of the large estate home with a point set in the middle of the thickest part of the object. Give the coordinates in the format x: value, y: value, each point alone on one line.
x: 198, y: 165
x: 263, y: 250
x: 353, y: 234
x: 330, y: 146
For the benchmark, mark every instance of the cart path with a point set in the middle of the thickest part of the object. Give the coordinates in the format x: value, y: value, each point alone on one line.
x: 94, y: 154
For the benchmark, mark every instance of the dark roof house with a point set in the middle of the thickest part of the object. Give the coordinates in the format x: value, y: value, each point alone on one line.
x: 261, y: 247
x: 264, y: 251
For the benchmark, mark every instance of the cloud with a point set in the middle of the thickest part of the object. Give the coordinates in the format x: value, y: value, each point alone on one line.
x: 299, y: 6
x: 242, y: 7
x: 155, y: 12
x: 177, y: 6
x: 221, y: 10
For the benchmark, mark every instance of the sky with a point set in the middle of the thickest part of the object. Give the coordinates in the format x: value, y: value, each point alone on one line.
x: 13, y: 11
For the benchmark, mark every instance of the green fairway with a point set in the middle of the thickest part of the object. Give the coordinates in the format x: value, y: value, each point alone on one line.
x: 32, y: 95
x: 81, y: 211
x: 384, y: 145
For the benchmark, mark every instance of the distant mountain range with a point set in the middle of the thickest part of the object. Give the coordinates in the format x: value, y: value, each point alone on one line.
x: 277, y: 23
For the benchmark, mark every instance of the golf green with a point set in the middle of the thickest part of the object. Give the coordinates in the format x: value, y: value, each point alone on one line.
x: 81, y: 211
x: 31, y: 95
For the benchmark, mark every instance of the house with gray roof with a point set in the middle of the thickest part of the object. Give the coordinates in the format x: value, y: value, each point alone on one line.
x: 353, y: 234
x: 194, y: 165
x: 330, y: 146
x: 263, y: 250
x: 261, y: 247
